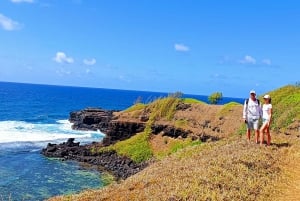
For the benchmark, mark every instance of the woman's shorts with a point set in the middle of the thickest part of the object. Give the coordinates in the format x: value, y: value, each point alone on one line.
x: 265, y: 120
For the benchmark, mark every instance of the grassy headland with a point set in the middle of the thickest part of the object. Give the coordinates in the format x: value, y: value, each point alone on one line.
x: 228, y: 168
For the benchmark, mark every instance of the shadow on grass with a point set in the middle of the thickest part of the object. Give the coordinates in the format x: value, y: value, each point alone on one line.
x: 281, y: 145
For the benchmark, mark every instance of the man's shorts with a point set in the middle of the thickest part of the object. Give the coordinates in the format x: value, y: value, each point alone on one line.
x: 252, y: 123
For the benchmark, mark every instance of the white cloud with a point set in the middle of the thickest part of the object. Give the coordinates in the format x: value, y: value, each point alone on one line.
x: 248, y: 60
x: 21, y: 1
x: 61, y: 57
x: 8, y: 24
x: 181, y: 48
x: 266, y: 61
x: 89, y: 62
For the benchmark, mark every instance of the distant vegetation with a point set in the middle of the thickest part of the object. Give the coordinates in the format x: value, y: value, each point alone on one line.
x: 214, y: 98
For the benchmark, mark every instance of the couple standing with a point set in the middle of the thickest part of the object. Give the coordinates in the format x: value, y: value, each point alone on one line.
x: 252, y: 113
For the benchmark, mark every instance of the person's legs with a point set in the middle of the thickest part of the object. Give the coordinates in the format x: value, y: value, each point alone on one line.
x: 248, y: 134
x: 249, y: 128
x: 256, y: 136
x: 255, y: 127
x: 262, y: 130
x: 268, y: 136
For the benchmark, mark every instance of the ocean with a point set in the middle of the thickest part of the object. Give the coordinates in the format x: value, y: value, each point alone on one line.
x: 33, y: 115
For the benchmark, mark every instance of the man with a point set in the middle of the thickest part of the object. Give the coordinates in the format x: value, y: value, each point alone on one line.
x: 251, y: 115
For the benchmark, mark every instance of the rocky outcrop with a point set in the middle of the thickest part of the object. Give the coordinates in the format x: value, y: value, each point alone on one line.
x: 120, y: 130
x: 91, y: 119
x: 115, y: 130
x: 103, y: 120
x: 120, y: 166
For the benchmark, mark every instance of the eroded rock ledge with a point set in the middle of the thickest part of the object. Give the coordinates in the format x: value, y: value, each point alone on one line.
x: 115, y: 130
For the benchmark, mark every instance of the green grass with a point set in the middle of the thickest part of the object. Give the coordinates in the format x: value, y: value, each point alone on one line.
x: 135, y: 107
x: 107, y: 178
x: 181, y: 144
x: 242, y: 129
x: 192, y: 100
x: 286, y: 106
x: 164, y: 108
x: 136, y: 147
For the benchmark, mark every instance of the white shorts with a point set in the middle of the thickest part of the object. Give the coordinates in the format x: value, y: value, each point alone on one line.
x: 252, y: 123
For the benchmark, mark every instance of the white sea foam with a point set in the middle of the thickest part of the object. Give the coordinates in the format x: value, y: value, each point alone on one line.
x: 19, y: 133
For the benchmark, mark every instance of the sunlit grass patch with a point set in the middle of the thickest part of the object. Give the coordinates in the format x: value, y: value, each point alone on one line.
x: 137, y: 147
x: 135, y: 107
x: 192, y: 100
x: 226, y: 108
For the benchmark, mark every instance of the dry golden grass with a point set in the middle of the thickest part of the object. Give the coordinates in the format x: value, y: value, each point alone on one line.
x: 230, y: 169
x: 289, y: 186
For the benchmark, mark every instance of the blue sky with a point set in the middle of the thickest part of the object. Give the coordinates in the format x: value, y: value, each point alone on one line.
x: 192, y: 46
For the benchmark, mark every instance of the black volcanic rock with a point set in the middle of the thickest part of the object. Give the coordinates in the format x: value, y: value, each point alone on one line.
x: 119, y: 166
x: 91, y: 119
x: 120, y: 130
x: 103, y: 120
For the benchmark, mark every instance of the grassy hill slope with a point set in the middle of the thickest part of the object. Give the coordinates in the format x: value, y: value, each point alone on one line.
x: 228, y: 168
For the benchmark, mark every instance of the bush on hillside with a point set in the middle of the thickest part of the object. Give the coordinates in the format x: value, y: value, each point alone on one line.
x: 214, y: 98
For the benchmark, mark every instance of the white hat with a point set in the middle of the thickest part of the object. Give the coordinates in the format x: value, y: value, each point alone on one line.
x: 267, y: 96
x: 252, y: 92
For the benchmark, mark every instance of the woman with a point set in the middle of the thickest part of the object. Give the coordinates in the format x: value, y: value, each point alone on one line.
x: 267, y: 115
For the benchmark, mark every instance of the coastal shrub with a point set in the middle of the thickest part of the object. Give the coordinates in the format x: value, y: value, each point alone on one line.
x: 164, y: 108
x: 215, y: 97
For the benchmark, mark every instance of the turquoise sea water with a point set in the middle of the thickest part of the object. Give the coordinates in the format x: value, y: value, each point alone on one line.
x: 32, y: 116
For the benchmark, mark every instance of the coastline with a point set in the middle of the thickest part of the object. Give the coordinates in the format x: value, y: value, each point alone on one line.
x: 121, y: 167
